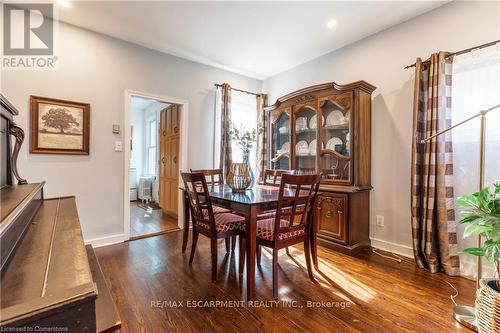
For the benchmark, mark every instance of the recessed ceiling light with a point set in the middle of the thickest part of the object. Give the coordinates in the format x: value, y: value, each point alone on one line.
x: 330, y: 24
x: 64, y: 3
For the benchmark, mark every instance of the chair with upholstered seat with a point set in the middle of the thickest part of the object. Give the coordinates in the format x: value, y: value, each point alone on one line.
x: 293, y: 225
x: 205, y: 222
x: 215, y: 177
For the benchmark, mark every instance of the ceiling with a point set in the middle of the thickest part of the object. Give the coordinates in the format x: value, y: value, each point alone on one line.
x: 257, y: 39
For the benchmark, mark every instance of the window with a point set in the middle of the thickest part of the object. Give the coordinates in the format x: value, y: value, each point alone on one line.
x: 151, y: 131
x: 475, y: 87
x: 243, y: 114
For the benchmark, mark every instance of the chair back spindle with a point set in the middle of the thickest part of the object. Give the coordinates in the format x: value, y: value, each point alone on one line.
x: 212, y: 176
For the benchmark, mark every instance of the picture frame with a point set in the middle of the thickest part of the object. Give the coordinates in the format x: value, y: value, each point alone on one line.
x: 59, y: 126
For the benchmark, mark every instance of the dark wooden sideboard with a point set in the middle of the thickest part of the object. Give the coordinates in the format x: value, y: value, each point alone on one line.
x: 50, y: 281
x: 327, y: 128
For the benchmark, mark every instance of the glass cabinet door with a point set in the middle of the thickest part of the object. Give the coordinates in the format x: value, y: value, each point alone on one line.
x: 280, y: 140
x: 305, y: 120
x: 335, y: 136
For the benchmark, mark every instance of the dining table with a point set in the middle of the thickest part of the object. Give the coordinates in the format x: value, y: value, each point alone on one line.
x: 259, y: 198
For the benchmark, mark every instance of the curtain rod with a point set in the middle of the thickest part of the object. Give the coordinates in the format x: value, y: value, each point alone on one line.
x: 240, y: 90
x: 482, y: 46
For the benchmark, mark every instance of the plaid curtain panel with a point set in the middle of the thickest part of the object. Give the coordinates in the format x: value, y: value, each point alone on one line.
x: 226, y: 150
x: 432, y: 204
x: 262, y: 121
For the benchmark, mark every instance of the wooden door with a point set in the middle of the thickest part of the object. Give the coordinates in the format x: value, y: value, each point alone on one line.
x: 330, y: 217
x: 169, y: 160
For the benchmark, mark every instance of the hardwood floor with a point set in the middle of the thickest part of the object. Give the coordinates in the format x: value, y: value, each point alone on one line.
x: 144, y: 223
x: 366, y: 294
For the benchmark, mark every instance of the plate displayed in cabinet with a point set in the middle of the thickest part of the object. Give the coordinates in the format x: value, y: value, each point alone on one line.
x: 302, y: 148
x: 301, y: 124
x: 312, y: 148
x: 313, y: 122
x: 335, y: 118
x: 334, y: 142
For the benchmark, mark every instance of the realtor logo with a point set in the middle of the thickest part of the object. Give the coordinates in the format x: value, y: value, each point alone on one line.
x: 28, y: 36
x: 28, y: 29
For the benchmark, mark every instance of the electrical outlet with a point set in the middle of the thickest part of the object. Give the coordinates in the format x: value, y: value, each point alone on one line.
x: 380, y: 220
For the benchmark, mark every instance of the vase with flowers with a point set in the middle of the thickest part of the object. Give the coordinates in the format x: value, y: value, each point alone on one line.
x: 241, y: 176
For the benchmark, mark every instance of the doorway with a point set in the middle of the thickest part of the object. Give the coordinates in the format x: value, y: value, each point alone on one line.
x: 153, y: 165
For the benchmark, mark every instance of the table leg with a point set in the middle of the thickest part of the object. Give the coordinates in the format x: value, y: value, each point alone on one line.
x: 251, y: 240
x: 185, y: 222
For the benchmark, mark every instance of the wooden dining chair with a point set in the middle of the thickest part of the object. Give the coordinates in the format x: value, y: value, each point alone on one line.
x: 215, y: 177
x: 205, y: 221
x: 290, y: 226
x: 273, y: 176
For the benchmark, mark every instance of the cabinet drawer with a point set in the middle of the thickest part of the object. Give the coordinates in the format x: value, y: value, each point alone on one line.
x: 330, y: 217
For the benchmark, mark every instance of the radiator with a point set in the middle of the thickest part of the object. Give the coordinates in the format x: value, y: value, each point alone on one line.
x: 145, y: 192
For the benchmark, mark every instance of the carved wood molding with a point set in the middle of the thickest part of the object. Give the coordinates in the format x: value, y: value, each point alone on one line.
x: 361, y: 85
x: 274, y: 116
x: 339, y: 203
x: 342, y: 100
x: 304, y: 98
x: 18, y: 133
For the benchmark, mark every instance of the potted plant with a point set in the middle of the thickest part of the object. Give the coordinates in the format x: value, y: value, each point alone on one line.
x: 481, y: 214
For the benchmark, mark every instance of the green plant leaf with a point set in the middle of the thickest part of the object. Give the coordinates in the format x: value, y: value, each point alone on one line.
x: 477, y: 229
x: 475, y: 251
x: 469, y: 218
x: 491, y: 250
x: 485, y: 200
x: 469, y: 200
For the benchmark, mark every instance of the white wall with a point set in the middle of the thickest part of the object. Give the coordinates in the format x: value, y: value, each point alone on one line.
x: 379, y: 60
x: 97, y: 69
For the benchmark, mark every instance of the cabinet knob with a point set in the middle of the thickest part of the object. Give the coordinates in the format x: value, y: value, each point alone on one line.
x: 328, y: 214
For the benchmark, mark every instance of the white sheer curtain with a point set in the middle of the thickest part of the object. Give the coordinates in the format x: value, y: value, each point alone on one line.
x: 475, y: 86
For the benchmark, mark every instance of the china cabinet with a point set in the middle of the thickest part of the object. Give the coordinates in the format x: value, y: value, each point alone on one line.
x: 327, y: 128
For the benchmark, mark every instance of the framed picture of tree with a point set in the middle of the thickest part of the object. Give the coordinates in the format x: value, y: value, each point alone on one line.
x: 58, y: 126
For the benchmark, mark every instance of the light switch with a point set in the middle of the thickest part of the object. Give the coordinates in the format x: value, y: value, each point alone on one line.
x: 118, y: 146
x: 116, y: 129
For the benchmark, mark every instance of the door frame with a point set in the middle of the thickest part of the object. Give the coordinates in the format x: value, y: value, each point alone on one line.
x: 183, y: 149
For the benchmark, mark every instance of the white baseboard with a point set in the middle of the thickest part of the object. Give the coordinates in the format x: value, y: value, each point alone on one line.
x: 106, y: 240
x: 402, y: 250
